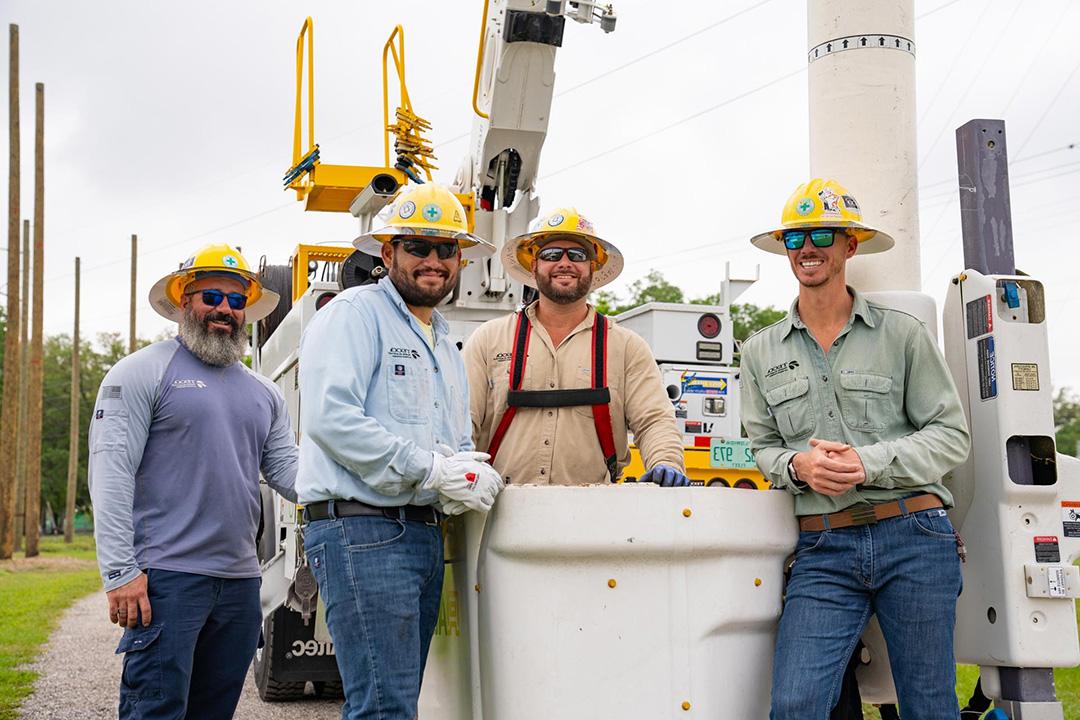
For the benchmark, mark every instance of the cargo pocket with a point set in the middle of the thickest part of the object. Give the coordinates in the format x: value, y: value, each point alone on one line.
x: 791, y: 408
x: 864, y: 401
x: 141, y: 677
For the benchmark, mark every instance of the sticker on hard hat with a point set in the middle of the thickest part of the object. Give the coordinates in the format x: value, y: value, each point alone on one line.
x: 849, y: 203
x: 555, y: 220
x: 229, y: 261
x: 830, y: 201
x: 1070, y: 518
x: 805, y: 206
x: 407, y: 209
x: 432, y: 212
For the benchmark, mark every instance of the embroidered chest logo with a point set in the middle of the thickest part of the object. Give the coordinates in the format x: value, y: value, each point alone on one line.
x: 781, y: 368
x: 404, y: 353
x: 399, y: 369
x: 188, y: 383
x: 503, y: 357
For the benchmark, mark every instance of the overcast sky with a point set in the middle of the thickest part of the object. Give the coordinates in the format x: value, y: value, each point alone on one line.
x: 174, y: 121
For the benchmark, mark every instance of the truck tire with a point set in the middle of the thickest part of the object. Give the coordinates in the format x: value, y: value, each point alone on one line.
x: 329, y: 690
x: 270, y: 689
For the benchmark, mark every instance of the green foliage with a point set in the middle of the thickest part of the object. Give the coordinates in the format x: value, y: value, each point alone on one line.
x: 33, y: 597
x: 1067, y: 421
x: 748, y: 319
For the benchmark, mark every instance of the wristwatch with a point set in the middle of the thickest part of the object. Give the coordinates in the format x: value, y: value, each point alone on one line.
x: 792, y: 475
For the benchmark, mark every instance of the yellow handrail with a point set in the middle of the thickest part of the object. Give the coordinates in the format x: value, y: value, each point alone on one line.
x: 399, y: 64
x: 479, y: 61
x: 307, y: 29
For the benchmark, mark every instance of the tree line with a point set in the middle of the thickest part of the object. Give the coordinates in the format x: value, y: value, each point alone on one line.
x: 96, y: 358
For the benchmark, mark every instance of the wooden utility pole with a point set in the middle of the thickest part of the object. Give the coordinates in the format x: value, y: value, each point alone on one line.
x: 33, y: 435
x: 73, y: 431
x: 24, y: 379
x: 9, y: 414
x: 134, y: 262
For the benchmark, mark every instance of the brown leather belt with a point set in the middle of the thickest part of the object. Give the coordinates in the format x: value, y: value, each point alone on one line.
x: 332, y: 509
x: 869, y: 514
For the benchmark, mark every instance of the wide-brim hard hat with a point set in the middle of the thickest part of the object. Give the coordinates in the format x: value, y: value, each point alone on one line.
x: 165, y: 295
x: 426, y: 211
x: 561, y: 224
x: 823, y: 203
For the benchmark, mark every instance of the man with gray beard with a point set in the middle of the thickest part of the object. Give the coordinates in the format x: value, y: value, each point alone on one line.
x: 565, y: 421
x: 179, y: 435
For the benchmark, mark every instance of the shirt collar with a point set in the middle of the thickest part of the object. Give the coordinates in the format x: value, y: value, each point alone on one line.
x: 530, y: 312
x: 860, y: 308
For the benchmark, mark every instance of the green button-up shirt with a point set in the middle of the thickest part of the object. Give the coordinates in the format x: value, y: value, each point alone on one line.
x: 883, y: 388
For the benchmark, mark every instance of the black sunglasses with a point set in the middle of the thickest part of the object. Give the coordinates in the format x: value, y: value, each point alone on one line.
x: 423, y: 248
x: 213, y: 298
x: 555, y: 254
x: 819, y: 238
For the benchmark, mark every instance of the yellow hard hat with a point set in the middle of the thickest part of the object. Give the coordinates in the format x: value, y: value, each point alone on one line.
x: 426, y: 210
x: 823, y: 203
x: 208, y: 261
x: 561, y: 223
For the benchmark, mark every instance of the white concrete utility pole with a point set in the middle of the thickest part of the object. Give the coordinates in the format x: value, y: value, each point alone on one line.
x: 862, y: 125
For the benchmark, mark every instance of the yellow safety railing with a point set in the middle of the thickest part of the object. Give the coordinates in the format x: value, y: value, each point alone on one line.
x: 408, y: 130
x: 300, y: 171
x: 306, y: 254
x: 479, y: 62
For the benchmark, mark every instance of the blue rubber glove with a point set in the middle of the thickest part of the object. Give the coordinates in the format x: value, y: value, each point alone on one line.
x: 665, y: 476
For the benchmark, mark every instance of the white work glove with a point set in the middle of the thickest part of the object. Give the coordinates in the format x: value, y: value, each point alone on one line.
x: 463, y: 477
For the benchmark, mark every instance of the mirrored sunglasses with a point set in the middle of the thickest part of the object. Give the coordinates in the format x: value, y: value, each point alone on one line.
x: 213, y: 298
x: 819, y: 237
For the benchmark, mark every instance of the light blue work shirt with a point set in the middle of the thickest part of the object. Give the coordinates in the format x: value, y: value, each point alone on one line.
x: 376, y: 398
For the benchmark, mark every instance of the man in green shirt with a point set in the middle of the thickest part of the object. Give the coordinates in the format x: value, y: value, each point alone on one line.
x: 850, y: 407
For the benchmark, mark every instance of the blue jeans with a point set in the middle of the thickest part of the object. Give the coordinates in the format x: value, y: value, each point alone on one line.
x: 190, y: 662
x: 904, y: 569
x: 381, y: 581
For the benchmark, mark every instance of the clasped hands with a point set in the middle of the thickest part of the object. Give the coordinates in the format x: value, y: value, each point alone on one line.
x: 464, y: 480
x: 830, y: 468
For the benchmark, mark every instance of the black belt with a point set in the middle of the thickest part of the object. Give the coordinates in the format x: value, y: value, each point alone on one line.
x: 331, y: 509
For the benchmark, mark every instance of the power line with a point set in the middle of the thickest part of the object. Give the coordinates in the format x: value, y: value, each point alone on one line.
x: 1027, y: 71
x: 928, y: 13
x: 1046, y: 112
x: 681, y: 121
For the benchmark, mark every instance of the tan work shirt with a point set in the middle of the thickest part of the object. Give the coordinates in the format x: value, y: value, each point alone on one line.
x: 559, y: 446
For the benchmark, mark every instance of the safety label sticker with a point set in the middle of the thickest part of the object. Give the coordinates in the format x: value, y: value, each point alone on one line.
x: 1070, y: 518
x: 980, y: 317
x: 987, y: 369
x: 1046, y: 549
x: 704, y: 385
x: 1025, y: 376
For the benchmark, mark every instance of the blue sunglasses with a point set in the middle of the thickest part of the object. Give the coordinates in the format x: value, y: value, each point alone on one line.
x: 819, y: 238
x: 213, y: 298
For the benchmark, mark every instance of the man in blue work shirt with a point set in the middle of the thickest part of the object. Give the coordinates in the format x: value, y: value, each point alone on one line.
x: 850, y: 407
x: 180, y: 432
x: 385, y: 451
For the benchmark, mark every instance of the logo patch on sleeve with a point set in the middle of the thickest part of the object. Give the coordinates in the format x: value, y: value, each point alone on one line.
x: 99, y: 414
x: 111, y: 392
x: 114, y: 574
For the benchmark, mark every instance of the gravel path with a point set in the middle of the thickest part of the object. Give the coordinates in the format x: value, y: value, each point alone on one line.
x: 80, y: 675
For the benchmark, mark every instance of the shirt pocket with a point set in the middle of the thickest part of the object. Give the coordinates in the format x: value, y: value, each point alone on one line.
x: 790, y: 405
x: 865, y: 400
x: 408, y: 387
x: 109, y: 431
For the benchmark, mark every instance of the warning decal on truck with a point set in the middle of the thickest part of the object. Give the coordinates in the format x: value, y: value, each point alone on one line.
x: 980, y: 317
x: 1070, y: 518
x: 1046, y: 549
x: 987, y: 369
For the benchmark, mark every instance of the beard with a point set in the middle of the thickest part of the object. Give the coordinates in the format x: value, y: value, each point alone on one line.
x: 561, y: 295
x: 417, y: 295
x: 213, y: 347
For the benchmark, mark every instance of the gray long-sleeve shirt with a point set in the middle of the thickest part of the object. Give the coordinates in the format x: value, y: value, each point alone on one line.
x: 176, y: 447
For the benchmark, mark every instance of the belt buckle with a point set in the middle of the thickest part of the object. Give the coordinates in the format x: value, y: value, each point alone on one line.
x: 863, y: 515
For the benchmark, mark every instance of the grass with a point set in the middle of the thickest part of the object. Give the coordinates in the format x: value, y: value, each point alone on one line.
x: 33, y: 594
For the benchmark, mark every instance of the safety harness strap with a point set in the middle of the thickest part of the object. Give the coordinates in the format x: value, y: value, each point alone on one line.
x: 598, y: 397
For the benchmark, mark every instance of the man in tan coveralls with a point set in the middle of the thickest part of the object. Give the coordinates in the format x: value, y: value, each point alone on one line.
x: 561, y: 418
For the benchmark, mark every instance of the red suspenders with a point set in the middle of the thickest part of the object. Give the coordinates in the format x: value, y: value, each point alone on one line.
x: 599, y: 396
